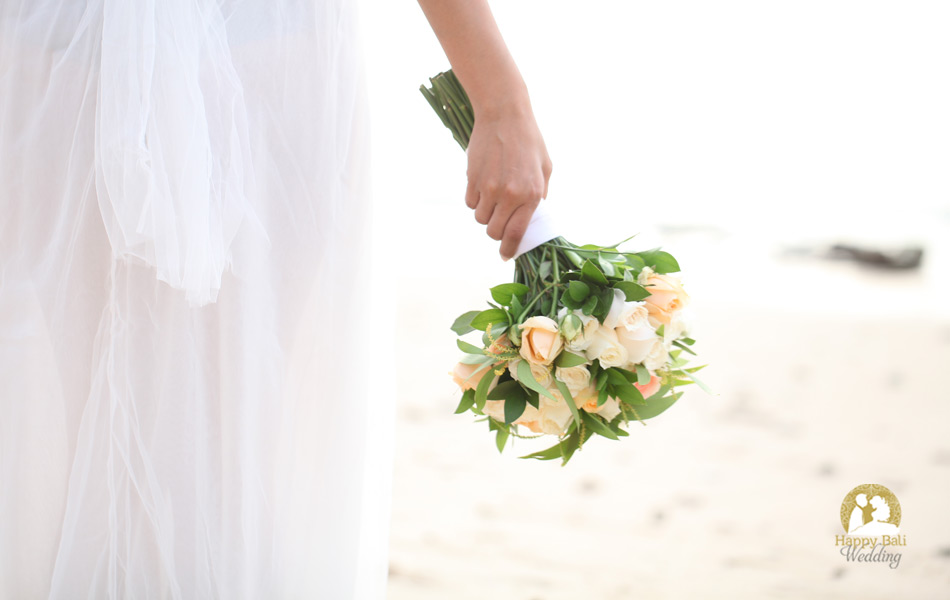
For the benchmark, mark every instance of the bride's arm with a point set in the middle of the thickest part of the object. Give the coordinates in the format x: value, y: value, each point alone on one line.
x: 508, y: 164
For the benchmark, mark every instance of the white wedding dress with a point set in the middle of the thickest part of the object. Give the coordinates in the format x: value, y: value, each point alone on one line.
x: 185, y: 268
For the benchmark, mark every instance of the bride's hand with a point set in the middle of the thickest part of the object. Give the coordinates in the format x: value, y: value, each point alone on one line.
x: 508, y: 172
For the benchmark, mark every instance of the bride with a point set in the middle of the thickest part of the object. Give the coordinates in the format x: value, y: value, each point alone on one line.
x: 185, y: 291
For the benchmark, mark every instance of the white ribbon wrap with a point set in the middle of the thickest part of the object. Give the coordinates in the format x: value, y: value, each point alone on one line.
x: 543, y: 227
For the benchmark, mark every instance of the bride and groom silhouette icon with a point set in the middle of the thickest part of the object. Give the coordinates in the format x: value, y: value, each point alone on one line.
x: 870, y: 518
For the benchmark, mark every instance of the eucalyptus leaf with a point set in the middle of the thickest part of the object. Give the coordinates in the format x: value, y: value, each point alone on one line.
x: 684, y: 347
x: 488, y: 317
x: 660, y: 261
x: 606, y: 266
x: 476, y: 359
x: 481, y: 391
x: 655, y: 406
x: 598, y: 426
x: 567, y: 398
x: 632, y: 291
x: 505, y: 390
x: 469, y: 348
x: 592, y: 273
x: 578, y: 290
x: 551, y: 453
x: 468, y: 399
x: 568, y: 359
x: 589, y: 305
x: 514, y: 407
x: 463, y: 324
x: 527, y: 378
x: 501, y: 438
x: 504, y: 293
x: 643, y: 375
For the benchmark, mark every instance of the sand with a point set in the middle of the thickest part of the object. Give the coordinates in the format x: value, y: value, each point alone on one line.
x: 827, y: 376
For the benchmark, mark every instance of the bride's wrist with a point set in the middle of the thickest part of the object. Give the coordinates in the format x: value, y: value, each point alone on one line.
x: 503, y: 102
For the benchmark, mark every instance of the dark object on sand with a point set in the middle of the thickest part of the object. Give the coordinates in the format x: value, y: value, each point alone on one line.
x: 904, y: 258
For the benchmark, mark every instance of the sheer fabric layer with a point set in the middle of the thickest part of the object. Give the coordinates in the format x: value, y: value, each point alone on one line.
x: 184, y: 259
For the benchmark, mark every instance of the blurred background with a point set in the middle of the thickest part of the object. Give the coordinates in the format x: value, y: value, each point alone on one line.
x: 746, y: 138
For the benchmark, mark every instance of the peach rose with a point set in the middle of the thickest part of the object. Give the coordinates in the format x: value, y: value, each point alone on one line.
x: 466, y: 378
x: 540, y: 340
x: 587, y: 400
x: 666, y: 294
x: 652, y: 386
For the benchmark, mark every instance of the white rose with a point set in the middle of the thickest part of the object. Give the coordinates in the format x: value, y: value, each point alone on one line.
x: 676, y: 329
x: 575, y: 378
x: 657, y: 357
x: 638, y: 344
x: 626, y: 315
x: 606, y: 347
x: 542, y: 374
x: 582, y: 339
x: 554, y: 416
x: 609, y: 409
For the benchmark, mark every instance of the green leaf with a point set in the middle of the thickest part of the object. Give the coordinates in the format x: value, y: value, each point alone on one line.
x: 628, y: 393
x: 662, y: 262
x: 592, y: 273
x: 567, y: 398
x: 568, y: 359
x: 578, y: 290
x: 598, y: 426
x: 501, y: 438
x: 643, y: 375
x: 504, y: 293
x: 469, y: 348
x: 634, y: 261
x: 487, y: 317
x: 615, y: 376
x: 606, y: 266
x: 514, y: 407
x: 602, y: 379
x: 527, y: 378
x: 684, y: 347
x: 476, y: 359
x: 468, y: 399
x: 481, y: 391
x: 544, y: 271
x: 463, y: 324
x: 516, y: 306
x: 702, y: 385
x: 551, y: 453
x: 588, y: 307
x: 602, y: 396
x: 505, y: 390
x: 633, y: 292
x: 656, y: 405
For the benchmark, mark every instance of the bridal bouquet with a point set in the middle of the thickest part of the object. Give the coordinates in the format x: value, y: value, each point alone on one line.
x: 583, y: 341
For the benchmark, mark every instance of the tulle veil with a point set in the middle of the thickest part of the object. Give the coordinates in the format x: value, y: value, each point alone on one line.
x: 187, y: 312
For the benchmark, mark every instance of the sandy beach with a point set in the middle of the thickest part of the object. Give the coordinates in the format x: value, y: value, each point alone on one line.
x: 828, y: 375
